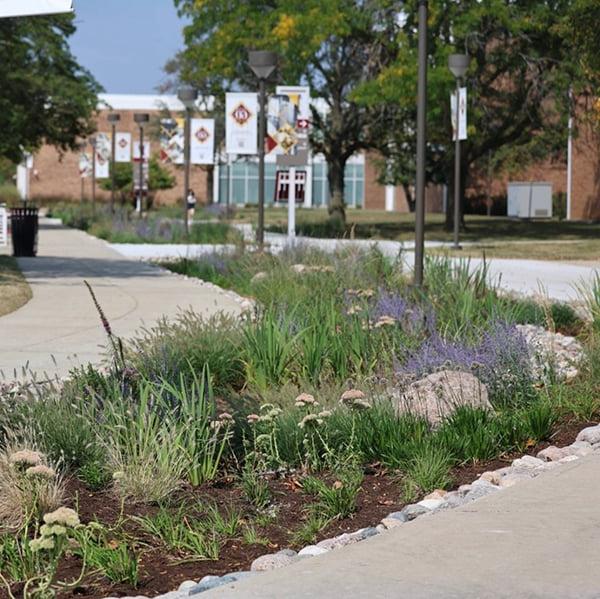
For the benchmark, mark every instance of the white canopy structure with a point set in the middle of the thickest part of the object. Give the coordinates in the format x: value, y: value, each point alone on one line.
x: 27, y: 8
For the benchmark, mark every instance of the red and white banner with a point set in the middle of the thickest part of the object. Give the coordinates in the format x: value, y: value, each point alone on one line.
x: 202, y: 142
x: 241, y: 123
x: 123, y: 147
x: 26, y: 8
x: 102, y: 155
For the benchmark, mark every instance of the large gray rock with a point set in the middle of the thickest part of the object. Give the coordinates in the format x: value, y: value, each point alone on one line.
x: 272, y: 561
x: 591, y: 434
x: 438, y: 395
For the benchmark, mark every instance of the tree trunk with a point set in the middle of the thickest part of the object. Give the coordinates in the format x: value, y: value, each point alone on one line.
x: 336, y: 166
x: 210, y: 175
x: 410, y: 200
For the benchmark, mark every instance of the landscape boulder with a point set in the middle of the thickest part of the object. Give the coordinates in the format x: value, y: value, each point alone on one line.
x: 438, y: 395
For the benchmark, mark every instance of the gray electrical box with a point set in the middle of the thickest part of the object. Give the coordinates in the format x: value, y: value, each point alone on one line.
x: 529, y: 199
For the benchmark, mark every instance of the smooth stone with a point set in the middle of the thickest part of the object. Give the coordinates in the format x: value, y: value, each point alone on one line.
x: 288, y: 552
x: 437, y: 494
x: 241, y: 575
x: 480, y: 482
x: 364, y: 533
x: 187, y: 584
x: 527, y: 462
x: 312, y: 550
x: 552, y: 454
x: 464, y: 489
x: 415, y: 510
x: 480, y: 491
x: 381, y: 528
x: 431, y: 504
x: 272, y: 561
x: 336, y: 542
x: 591, y: 434
x: 398, y: 516
x: 216, y: 581
x: 389, y: 523
x: 491, y: 477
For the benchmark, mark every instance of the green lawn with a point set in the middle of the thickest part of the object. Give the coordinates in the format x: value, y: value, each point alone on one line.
x: 14, y: 289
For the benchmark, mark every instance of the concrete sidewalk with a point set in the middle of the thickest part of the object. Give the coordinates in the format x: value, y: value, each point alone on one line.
x: 538, y: 539
x: 60, y: 328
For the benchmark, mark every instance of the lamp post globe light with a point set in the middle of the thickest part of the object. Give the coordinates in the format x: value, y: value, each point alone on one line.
x: 458, y: 65
x: 187, y: 96
x: 421, y: 144
x: 142, y: 119
x: 262, y: 63
x: 113, y: 119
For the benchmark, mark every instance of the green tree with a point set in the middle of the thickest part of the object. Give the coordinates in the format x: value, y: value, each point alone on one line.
x: 580, y: 27
x: 158, y: 178
x: 332, y: 45
x: 45, y: 95
x: 518, y: 84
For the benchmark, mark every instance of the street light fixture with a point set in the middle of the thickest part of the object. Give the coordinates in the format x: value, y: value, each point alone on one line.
x: 142, y: 119
x: 113, y: 119
x: 421, y: 145
x: 262, y: 63
x: 188, y: 97
x: 458, y: 65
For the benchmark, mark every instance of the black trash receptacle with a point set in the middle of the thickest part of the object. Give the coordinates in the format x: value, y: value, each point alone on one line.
x: 24, y: 231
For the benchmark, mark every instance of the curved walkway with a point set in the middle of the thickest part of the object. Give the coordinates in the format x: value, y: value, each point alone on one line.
x: 536, y: 540
x: 60, y: 328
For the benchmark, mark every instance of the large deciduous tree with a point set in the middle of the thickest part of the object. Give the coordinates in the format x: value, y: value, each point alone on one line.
x: 518, y: 84
x: 332, y: 45
x: 45, y: 95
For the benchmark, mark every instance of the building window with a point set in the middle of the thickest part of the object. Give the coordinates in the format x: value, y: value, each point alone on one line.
x: 238, y: 183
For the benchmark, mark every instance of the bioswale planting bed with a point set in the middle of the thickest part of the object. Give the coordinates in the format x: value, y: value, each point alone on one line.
x: 343, y: 396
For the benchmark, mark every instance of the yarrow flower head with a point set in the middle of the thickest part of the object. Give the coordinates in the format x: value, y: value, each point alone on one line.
x: 40, y: 471
x: 49, y: 530
x: 385, y: 321
x: 310, y: 420
x: 305, y: 399
x: 324, y: 414
x: 252, y: 418
x: 26, y: 457
x: 42, y: 543
x: 225, y: 417
x: 355, y: 399
x: 63, y: 515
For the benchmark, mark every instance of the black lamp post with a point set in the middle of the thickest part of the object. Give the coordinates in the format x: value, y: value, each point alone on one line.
x: 458, y: 64
x: 188, y: 97
x: 421, y: 145
x: 113, y: 119
x: 262, y: 63
x: 141, y: 118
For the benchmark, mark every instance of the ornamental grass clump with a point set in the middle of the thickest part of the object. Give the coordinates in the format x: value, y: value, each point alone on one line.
x: 29, y: 487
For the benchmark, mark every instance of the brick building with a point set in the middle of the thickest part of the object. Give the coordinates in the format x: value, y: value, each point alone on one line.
x: 236, y: 181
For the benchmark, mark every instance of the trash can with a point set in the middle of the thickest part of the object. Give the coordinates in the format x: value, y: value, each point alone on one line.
x: 24, y: 231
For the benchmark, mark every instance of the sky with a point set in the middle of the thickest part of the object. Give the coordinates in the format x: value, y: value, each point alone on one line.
x: 126, y: 43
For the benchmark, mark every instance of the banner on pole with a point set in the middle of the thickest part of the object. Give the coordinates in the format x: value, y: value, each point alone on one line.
x: 136, y: 150
x: 85, y: 165
x: 102, y: 155
x: 288, y: 119
x: 241, y: 123
x: 123, y: 147
x: 172, y: 140
x: 202, y: 143
x: 26, y: 8
x: 462, y: 114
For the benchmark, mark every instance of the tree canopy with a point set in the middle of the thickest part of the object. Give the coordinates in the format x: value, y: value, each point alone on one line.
x: 45, y: 95
x: 360, y: 57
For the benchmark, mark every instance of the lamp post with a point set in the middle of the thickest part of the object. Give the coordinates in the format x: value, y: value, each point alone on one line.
x: 188, y: 97
x: 113, y: 119
x: 262, y: 63
x: 141, y: 118
x: 93, y: 144
x: 421, y: 145
x: 458, y: 64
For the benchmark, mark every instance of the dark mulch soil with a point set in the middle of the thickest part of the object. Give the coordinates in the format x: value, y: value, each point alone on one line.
x: 161, y: 571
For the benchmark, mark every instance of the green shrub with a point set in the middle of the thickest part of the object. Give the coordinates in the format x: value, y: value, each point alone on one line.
x: 338, y: 499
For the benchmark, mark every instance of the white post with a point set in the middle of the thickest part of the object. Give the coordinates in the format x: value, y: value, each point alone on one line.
x: 308, y: 185
x: 216, y: 183
x: 569, y: 168
x: 390, y: 198
x: 292, y: 204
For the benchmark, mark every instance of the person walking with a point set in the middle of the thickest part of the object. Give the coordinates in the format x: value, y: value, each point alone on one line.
x: 191, y: 204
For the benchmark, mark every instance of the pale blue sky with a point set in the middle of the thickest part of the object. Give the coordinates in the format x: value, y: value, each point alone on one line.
x: 125, y: 43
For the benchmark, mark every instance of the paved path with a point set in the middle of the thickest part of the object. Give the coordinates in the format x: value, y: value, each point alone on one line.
x: 556, y: 280
x: 539, y: 539
x: 60, y: 327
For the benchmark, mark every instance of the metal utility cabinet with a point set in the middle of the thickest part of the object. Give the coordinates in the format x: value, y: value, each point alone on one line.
x: 529, y: 199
